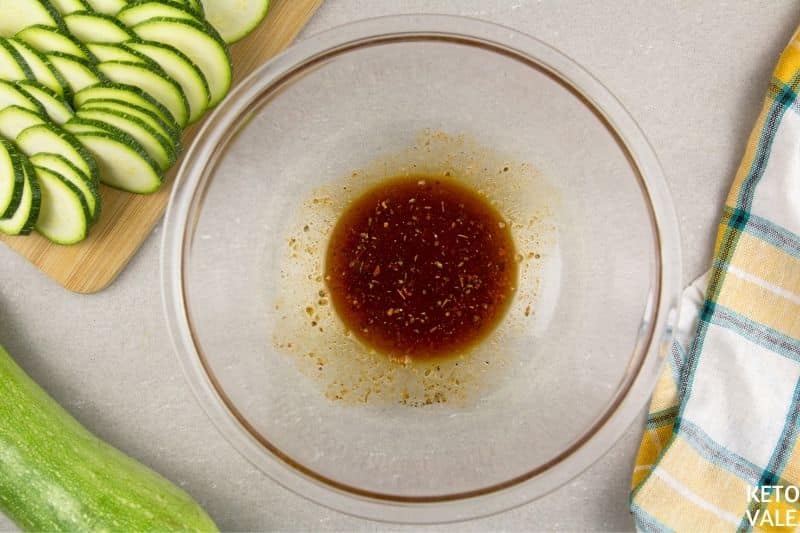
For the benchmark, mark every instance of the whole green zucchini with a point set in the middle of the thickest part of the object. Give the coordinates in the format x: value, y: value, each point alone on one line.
x: 56, y: 476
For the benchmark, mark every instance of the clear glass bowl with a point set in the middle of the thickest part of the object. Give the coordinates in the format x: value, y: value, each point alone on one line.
x: 575, y: 359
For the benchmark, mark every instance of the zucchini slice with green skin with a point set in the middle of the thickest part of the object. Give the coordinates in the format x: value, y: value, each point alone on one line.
x: 141, y: 11
x: 65, y: 7
x: 200, y: 43
x: 12, y: 66
x: 116, y: 52
x: 13, y: 94
x: 50, y: 139
x: 126, y: 93
x: 78, y: 72
x: 49, y: 40
x: 158, y: 147
x: 57, y: 476
x: 56, y: 108
x: 145, y: 115
x: 12, y: 179
x: 24, y: 219
x: 107, y: 7
x: 43, y: 71
x: 20, y: 14
x: 73, y: 174
x: 193, y: 5
x: 196, y: 6
x: 120, y: 52
x: 123, y: 163
x: 121, y: 116
x: 96, y: 28
x: 82, y: 126
x: 181, y: 69
x: 235, y: 19
x: 159, y: 85
x: 14, y: 120
x: 64, y: 215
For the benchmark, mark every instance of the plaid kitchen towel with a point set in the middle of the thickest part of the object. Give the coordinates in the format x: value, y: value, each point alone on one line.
x: 720, y: 451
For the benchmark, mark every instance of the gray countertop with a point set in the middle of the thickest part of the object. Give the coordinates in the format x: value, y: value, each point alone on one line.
x: 692, y: 73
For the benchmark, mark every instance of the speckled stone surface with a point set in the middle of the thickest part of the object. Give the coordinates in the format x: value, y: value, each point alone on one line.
x: 691, y: 73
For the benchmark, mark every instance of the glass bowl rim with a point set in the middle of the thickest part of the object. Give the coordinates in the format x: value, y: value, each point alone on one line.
x: 648, y: 355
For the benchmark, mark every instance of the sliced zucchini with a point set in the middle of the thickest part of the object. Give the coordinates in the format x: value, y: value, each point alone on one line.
x: 78, y: 72
x: 156, y: 145
x: 64, y: 215
x: 235, y: 19
x: 43, y: 71
x: 24, y: 219
x: 145, y: 115
x: 200, y: 43
x: 65, y: 7
x: 80, y: 126
x: 116, y: 111
x: 123, y: 163
x: 48, y: 40
x: 116, y: 52
x: 126, y: 93
x: 162, y: 87
x: 12, y: 179
x: 181, y: 69
x: 20, y: 14
x: 195, y: 6
x: 73, y: 174
x: 15, y: 119
x: 12, y: 66
x: 96, y: 28
x: 50, y: 139
x: 138, y: 12
x: 107, y: 7
x: 12, y: 94
x: 56, y: 108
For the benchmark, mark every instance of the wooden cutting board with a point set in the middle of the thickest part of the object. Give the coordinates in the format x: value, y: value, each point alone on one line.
x: 127, y: 219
